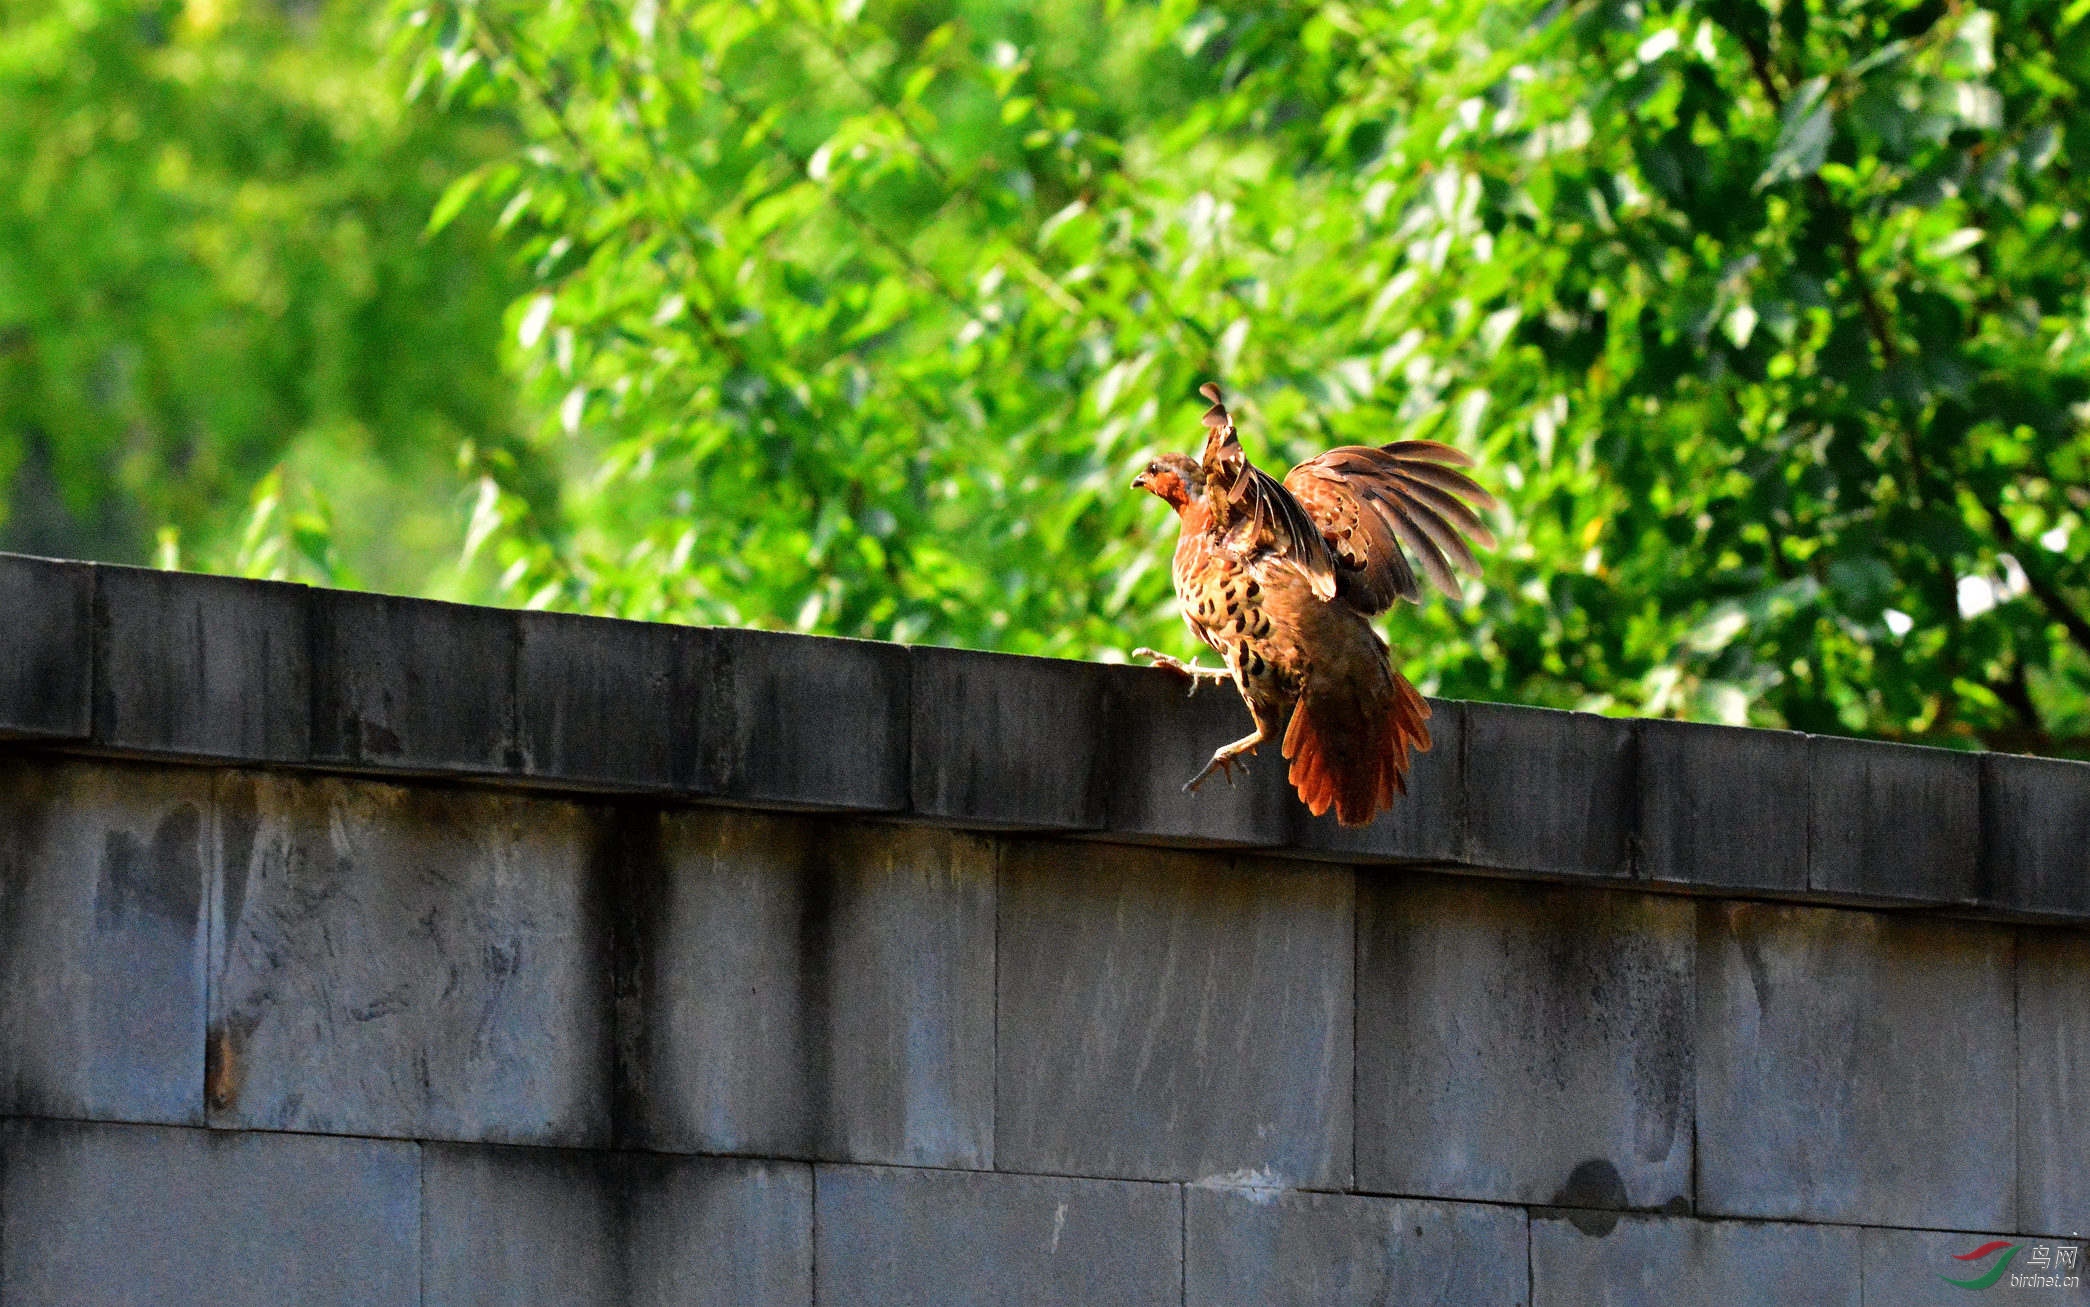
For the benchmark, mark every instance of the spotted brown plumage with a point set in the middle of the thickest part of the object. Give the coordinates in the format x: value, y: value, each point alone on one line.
x: 1282, y: 578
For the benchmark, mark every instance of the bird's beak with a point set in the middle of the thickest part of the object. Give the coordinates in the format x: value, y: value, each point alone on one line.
x: 1140, y: 482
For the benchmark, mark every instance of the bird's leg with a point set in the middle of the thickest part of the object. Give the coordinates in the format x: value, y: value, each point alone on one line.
x: 1181, y: 668
x: 1268, y: 718
x: 1225, y: 759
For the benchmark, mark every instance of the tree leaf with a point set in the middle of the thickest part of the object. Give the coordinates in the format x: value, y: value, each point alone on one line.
x: 1804, y: 130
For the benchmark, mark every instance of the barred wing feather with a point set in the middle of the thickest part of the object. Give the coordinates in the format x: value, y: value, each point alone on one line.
x: 1375, y: 507
x: 1255, y: 512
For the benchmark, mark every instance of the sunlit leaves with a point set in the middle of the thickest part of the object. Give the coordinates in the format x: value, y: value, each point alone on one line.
x: 217, y: 265
x: 1770, y: 325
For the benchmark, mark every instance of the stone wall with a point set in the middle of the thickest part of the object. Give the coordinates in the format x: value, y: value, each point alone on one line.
x: 367, y: 951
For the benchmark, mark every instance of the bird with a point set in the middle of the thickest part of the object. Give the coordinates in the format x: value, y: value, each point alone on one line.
x: 1284, y: 578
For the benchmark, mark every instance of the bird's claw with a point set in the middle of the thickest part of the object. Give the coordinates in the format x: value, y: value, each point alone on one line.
x: 1190, y: 671
x: 1221, y: 763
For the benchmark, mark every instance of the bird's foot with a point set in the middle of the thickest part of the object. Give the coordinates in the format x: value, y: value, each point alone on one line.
x: 1192, y: 671
x: 1223, y: 762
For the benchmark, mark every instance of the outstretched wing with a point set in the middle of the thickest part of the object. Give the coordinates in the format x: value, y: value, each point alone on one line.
x: 1375, y: 506
x: 1252, y: 511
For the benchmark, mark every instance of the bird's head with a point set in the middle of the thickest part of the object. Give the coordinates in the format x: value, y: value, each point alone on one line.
x: 1173, y: 477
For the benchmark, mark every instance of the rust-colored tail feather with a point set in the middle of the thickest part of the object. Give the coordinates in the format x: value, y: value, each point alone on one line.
x: 1348, y: 745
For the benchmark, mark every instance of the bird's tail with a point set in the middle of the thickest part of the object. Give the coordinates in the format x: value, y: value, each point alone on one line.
x: 1348, y: 743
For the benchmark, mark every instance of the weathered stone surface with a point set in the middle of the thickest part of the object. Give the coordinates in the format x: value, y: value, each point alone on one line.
x: 1524, y: 1044
x: 510, y: 1225
x: 1855, y: 1067
x: 1917, y: 1268
x: 1423, y: 825
x: 609, y: 703
x: 46, y: 647
x: 549, y: 1226
x: 792, y: 720
x: 1169, y: 1016
x: 1723, y: 807
x: 413, y: 684
x: 423, y: 962
x: 1893, y: 821
x: 149, y: 1216
x: 1264, y: 1248
x: 1662, y: 1262
x: 907, y: 1237
x: 103, y: 936
x: 1004, y: 741
x: 2036, y: 834
x: 807, y: 988
x: 1547, y: 791
x: 2053, y: 1045
x: 713, y: 1232
x: 1156, y: 736
x: 212, y: 666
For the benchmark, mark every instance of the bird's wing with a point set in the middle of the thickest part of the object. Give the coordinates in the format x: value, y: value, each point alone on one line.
x: 1376, y: 506
x: 1253, y: 511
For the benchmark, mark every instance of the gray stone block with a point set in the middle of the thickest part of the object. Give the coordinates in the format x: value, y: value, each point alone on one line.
x: 1524, y: 1044
x: 2053, y: 1046
x: 543, y: 1226
x: 1895, y: 822
x: 1156, y: 736
x: 96, y: 1215
x: 414, y: 685
x: 428, y: 963
x: 103, y: 937
x: 609, y: 703
x: 1263, y: 1248
x: 211, y: 666
x: 1423, y: 826
x: 548, y: 1226
x: 714, y: 1231
x: 1009, y: 742
x: 799, y: 721
x: 2036, y: 835
x: 1547, y: 791
x: 1640, y: 1261
x: 801, y: 987
x: 907, y: 1237
x: 1921, y: 1268
x: 1723, y: 807
x: 1854, y: 1066
x: 46, y: 647
x: 1173, y: 1016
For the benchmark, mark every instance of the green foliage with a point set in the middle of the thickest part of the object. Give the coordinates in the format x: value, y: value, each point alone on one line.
x: 213, y: 264
x: 1770, y: 323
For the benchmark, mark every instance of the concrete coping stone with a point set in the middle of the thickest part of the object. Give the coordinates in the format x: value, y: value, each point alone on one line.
x: 124, y: 661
